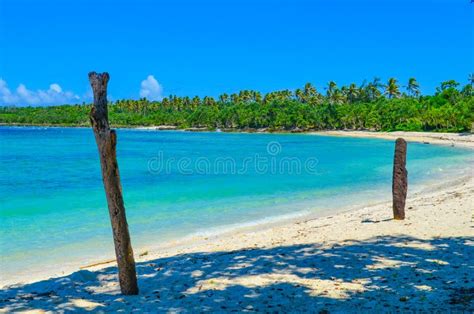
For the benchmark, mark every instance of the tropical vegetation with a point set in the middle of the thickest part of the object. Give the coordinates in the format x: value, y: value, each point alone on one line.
x: 371, y: 106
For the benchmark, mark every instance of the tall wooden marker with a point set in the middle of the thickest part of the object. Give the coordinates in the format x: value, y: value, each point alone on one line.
x: 106, y: 140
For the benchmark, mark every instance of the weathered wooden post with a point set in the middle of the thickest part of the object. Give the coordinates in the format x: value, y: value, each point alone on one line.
x: 400, y: 179
x: 106, y: 140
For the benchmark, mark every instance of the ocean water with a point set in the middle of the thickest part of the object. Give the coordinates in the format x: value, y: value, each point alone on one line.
x: 53, y: 212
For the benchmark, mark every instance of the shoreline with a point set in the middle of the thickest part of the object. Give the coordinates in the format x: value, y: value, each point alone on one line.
x: 436, y: 210
x: 184, y: 243
x: 199, y: 240
x: 439, y: 223
x: 453, y: 139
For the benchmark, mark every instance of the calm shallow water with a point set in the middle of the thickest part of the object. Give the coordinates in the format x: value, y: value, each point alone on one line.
x: 53, y: 209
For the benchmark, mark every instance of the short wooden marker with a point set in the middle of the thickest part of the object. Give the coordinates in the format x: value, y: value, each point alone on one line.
x: 400, y: 179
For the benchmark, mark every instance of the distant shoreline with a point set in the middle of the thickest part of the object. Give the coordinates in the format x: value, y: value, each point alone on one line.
x: 465, y: 140
x: 438, y: 138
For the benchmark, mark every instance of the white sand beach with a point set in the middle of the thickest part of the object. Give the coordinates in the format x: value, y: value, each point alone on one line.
x: 357, y: 261
x: 451, y: 139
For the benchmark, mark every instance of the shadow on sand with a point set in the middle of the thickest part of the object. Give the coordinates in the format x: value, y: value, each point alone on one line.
x: 383, y: 274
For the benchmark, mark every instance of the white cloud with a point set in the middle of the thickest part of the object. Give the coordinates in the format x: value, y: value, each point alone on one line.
x: 151, y: 89
x: 23, y: 96
x: 55, y: 87
x: 6, y: 95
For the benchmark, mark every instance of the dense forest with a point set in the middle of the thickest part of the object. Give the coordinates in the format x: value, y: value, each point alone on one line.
x: 372, y: 106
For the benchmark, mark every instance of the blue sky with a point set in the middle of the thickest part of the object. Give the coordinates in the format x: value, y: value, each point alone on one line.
x: 158, y: 48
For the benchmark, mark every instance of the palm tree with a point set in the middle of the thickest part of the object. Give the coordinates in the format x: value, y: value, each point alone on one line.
x: 449, y: 84
x: 468, y: 90
x: 235, y: 98
x: 299, y: 95
x: 257, y: 96
x: 286, y: 94
x: 352, y: 93
x: 413, y: 88
x: 309, y: 90
x: 186, y: 102
x: 373, y: 88
x: 332, y: 87
x: 196, y: 101
x: 338, y: 97
x: 223, y: 98
x: 392, y: 89
x: 244, y: 95
x: 208, y: 101
x: 307, y: 94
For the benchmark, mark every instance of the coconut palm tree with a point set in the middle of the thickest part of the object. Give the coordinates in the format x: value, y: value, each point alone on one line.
x: 468, y: 90
x: 338, y: 97
x: 392, y: 89
x: 235, y: 98
x: 308, y: 94
x: 196, y: 101
x: 332, y: 87
x: 352, y: 93
x: 257, y: 96
x: 373, y: 89
x: 309, y: 90
x: 286, y: 94
x: 413, y: 87
x: 208, y: 101
x: 224, y: 98
x: 299, y: 94
x: 449, y: 84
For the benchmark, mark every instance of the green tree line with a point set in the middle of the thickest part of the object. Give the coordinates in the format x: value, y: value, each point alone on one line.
x: 371, y: 106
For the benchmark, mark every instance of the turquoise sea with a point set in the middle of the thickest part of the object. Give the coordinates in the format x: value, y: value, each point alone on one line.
x: 53, y: 211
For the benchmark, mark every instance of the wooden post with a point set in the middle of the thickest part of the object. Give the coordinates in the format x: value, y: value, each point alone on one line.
x: 400, y: 179
x: 106, y: 140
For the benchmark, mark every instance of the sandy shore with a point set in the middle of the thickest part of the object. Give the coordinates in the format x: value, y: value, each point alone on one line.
x: 356, y: 261
x: 451, y: 139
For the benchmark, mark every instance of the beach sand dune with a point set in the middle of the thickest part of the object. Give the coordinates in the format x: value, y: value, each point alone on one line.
x: 356, y: 261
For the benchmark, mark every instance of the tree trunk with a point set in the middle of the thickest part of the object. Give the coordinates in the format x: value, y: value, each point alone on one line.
x: 400, y: 179
x: 106, y: 140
